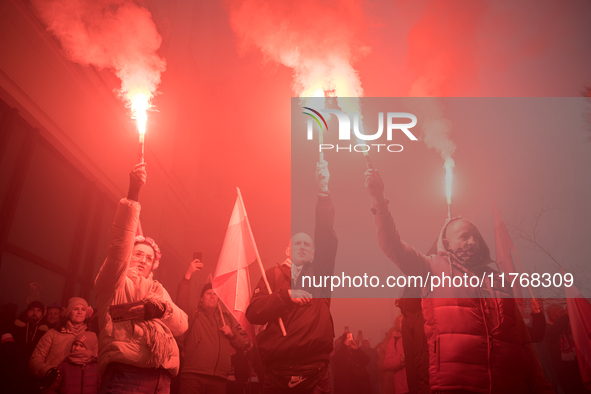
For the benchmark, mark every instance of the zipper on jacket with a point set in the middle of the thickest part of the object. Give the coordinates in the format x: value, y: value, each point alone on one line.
x: 438, y: 355
x: 82, y: 380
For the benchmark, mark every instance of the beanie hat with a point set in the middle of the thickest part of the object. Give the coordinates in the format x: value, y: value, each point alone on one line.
x: 89, y: 339
x: 36, y: 304
x: 207, y: 286
x: 72, y: 302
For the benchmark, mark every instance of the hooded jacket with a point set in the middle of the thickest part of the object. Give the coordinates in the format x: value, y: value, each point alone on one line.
x: 145, y: 344
x: 27, y: 335
x: 477, y: 338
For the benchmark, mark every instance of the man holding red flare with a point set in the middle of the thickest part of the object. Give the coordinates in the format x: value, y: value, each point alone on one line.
x: 478, y: 342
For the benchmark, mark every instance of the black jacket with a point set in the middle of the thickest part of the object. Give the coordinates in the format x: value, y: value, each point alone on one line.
x: 309, y: 328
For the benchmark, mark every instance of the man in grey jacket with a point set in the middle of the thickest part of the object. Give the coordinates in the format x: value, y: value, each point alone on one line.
x: 206, y: 349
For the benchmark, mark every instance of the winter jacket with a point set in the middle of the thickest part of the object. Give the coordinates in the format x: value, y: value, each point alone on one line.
x: 537, y: 331
x: 350, y: 373
x: 52, y: 349
x: 76, y: 379
x: 414, y: 342
x: 27, y: 335
x: 309, y: 328
x: 127, y: 341
x: 394, y: 361
x: 206, y: 349
x: 478, y: 342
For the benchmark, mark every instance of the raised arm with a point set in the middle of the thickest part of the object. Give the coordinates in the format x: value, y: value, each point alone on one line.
x: 408, y: 259
x: 112, y: 274
x: 325, y: 238
x: 183, y: 299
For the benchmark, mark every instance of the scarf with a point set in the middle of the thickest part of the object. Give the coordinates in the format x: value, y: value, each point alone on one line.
x: 72, y: 329
x: 81, y: 357
x: 159, y: 339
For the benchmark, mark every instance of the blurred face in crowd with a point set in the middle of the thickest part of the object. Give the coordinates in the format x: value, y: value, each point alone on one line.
x: 462, y: 238
x: 210, y: 299
x: 34, y: 315
x: 301, y: 249
x: 53, y: 316
x: 365, y: 343
x: 77, y: 346
x: 78, y: 314
x: 242, y: 332
x: 142, y: 257
x: 555, y: 312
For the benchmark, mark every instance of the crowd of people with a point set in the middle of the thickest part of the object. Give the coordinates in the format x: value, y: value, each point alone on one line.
x: 138, y: 340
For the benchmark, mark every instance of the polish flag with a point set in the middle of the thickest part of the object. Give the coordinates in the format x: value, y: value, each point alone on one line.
x: 579, y: 313
x: 503, y: 247
x: 231, y: 281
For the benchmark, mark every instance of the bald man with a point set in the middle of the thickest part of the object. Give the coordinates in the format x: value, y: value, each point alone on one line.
x: 298, y: 362
x: 478, y: 342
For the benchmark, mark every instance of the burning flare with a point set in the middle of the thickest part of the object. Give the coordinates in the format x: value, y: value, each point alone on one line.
x: 449, y: 176
x: 321, y: 49
x: 140, y: 103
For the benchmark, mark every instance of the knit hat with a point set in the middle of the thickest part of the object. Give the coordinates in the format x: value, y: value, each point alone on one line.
x: 72, y: 302
x: 89, y: 339
x: 207, y: 286
x: 36, y: 304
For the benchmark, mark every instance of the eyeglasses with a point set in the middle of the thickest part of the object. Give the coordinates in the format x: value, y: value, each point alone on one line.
x: 139, y: 256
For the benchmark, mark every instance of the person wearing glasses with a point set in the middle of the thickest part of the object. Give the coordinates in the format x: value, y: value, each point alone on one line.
x: 137, y: 318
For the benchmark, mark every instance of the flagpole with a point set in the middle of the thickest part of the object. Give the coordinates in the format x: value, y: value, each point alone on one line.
x: 221, y: 314
x: 256, y: 250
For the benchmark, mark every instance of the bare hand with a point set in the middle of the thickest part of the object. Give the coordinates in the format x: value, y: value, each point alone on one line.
x: 227, y: 331
x: 300, y: 297
x: 194, y: 265
x: 322, y: 176
x: 535, y: 306
x: 374, y: 185
x: 350, y: 341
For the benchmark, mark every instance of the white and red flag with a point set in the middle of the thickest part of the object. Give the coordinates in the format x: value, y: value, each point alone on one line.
x: 503, y: 248
x: 579, y: 313
x: 231, y: 281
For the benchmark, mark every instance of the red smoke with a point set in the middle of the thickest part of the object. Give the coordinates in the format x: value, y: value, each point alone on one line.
x: 114, y: 34
x: 319, y: 40
x: 442, y: 47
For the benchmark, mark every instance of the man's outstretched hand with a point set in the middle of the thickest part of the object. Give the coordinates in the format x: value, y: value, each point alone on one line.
x: 322, y: 176
x: 374, y: 185
x: 137, y: 178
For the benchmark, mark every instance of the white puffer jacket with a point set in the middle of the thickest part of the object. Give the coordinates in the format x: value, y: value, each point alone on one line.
x: 130, y: 342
